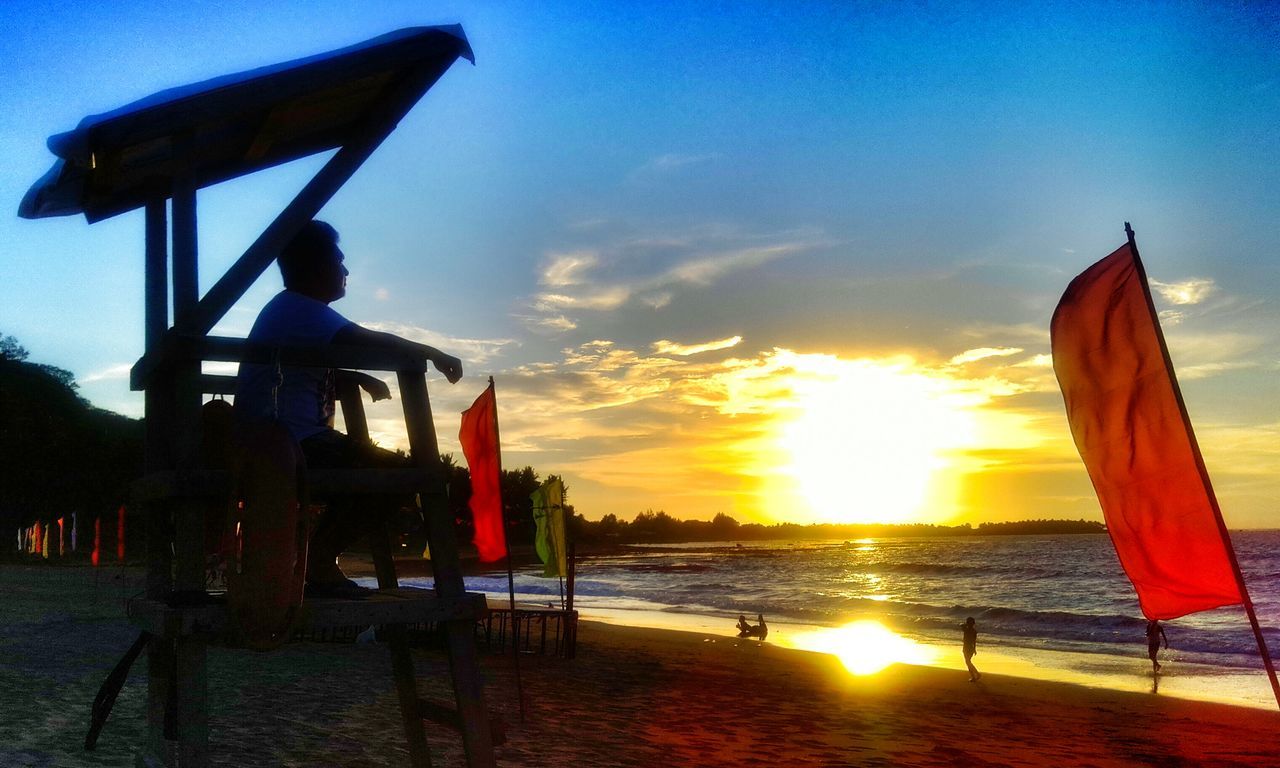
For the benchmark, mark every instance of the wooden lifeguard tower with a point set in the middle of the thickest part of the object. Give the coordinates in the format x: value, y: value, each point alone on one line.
x: 155, y: 154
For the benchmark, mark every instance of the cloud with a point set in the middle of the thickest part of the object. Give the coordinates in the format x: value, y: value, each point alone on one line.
x: 473, y: 351
x: 1037, y: 361
x: 983, y: 353
x: 382, y: 294
x: 666, y: 347
x: 567, y: 268
x: 1192, y: 291
x: 673, y: 161
x: 552, y: 324
x: 110, y: 373
x: 649, y: 271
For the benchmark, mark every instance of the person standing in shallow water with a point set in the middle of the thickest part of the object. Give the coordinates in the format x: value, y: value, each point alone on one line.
x: 1155, y: 633
x: 970, y: 630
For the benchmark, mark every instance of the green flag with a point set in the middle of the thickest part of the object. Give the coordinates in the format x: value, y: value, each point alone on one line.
x: 548, y: 513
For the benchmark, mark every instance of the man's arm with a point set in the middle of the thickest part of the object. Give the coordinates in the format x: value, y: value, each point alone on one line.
x: 377, y: 388
x: 356, y: 335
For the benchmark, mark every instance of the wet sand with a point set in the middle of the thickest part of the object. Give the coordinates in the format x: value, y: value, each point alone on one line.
x: 632, y: 697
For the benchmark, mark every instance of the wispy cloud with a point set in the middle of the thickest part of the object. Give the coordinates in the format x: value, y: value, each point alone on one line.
x: 673, y: 161
x: 110, y: 373
x: 667, y: 347
x: 982, y: 353
x: 474, y: 351
x: 1192, y: 291
x: 647, y: 271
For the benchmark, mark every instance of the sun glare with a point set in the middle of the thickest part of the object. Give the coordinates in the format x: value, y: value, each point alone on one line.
x: 865, y: 647
x: 870, y: 437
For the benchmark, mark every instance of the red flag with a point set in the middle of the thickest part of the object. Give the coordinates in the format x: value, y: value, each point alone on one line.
x: 62, y: 539
x: 1134, y: 435
x: 120, y: 534
x: 479, y: 437
x: 97, y: 540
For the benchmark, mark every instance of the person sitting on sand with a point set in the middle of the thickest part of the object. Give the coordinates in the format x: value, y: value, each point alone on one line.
x: 760, y: 630
x: 1155, y: 633
x: 302, y: 399
x: 970, y: 630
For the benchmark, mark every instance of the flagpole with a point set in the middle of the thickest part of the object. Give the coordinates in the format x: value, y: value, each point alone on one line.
x: 506, y: 542
x: 1204, y: 472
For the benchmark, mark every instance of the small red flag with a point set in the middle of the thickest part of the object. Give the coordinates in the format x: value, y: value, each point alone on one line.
x: 97, y: 540
x: 120, y: 534
x: 62, y: 538
x: 1135, y: 438
x: 479, y: 438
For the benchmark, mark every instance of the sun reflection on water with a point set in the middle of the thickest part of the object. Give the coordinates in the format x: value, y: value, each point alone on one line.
x: 865, y: 647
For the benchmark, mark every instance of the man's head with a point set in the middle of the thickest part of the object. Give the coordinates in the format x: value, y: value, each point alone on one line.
x: 311, y: 263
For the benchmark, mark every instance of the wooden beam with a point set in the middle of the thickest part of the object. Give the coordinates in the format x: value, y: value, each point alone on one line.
x: 156, y: 267
x: 178, y: 348
x: 216, y: 484
x: 186, y: 287
x: 402, y: 605
x: 477, y: 740
x: 304, y: 207
x: 353, y: 411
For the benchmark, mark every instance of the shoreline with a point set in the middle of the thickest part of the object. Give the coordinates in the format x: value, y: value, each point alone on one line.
x: 632, y: 697
x: 1103, y: 671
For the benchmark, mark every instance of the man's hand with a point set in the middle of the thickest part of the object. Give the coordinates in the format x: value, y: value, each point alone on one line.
x: 449, y: 365
x: 377, y: 388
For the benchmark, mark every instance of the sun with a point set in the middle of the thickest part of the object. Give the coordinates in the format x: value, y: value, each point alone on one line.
x: 869, y: 439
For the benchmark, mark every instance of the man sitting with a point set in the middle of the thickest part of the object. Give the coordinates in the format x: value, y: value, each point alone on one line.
x: 303, y: 399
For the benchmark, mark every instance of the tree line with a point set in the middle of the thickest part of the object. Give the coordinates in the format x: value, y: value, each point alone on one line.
x: 661, y: 528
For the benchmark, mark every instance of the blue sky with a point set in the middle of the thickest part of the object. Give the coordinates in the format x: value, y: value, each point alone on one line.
x: 677, y: 233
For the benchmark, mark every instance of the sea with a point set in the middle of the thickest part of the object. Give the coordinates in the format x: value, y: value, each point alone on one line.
x: 1049, y: 606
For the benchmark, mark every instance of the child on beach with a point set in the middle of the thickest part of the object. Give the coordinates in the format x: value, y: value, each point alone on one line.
x: 970, y: 630
x: 745, y: 629
x: 1155, y: 633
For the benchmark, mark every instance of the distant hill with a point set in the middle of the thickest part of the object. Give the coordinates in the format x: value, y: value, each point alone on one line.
x: 59, y: 454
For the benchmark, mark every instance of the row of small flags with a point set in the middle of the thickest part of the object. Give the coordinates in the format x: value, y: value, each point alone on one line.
x: 39, y: 539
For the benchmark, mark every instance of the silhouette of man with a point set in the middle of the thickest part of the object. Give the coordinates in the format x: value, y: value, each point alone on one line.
x: 1155, y: 633
x: 970, y: 630
x: 302, y: 399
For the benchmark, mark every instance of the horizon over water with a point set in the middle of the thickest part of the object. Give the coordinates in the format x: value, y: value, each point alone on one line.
x: 1051, y: 606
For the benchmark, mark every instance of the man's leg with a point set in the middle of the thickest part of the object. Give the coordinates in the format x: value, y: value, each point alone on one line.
x: 345, y: 518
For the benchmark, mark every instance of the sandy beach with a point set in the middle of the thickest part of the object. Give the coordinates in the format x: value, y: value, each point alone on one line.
x: 632, y: 697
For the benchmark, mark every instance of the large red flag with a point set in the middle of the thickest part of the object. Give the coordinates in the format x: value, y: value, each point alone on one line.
x: 1133, y: 432
x: 479, y: 437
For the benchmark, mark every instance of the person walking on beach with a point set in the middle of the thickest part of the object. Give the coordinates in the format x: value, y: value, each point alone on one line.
x: 970, y: 630
x: 1155, y: 633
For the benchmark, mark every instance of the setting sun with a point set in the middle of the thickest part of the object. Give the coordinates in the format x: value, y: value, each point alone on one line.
x: 870, y: 437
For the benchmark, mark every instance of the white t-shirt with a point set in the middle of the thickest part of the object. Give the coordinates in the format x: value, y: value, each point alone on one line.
x: 304, y: 402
